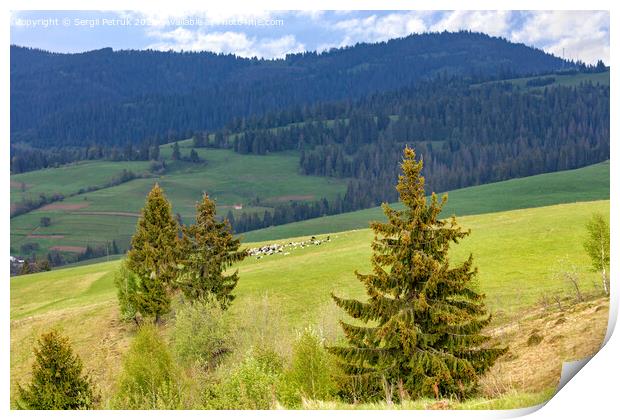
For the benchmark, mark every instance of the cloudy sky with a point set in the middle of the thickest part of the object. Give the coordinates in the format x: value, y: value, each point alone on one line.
x: 582, y: 35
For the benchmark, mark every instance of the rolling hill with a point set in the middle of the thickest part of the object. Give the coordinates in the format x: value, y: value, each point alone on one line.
x: 111, y: 213
x: 517, y: 253
x: 584, y: 184
x: 94, y: 218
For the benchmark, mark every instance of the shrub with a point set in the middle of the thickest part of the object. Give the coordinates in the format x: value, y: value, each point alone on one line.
x: 249, y: 386
x: 150, y: 379
x: 57, y: 380
x: 126, y: 282
x: 261, y: 325
x: 201, y: 334
x: 311, y: 374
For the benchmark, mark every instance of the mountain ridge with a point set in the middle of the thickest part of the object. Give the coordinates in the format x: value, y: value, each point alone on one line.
x: 109, y: 96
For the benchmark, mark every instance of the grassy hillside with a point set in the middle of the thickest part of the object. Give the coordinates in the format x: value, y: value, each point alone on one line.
x: 111, y: 213
x: 584, y: 184
x: 563, y: 80
x: 517, y: 253
x: 69, y: 179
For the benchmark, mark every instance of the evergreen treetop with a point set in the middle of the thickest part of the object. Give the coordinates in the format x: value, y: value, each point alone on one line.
x: 208, y: 249
x: 423, y: 318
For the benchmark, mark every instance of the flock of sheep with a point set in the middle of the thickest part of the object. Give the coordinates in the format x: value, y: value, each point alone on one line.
x: 271, y: 249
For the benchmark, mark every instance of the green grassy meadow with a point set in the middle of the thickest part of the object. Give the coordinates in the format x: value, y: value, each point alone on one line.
x: 563, y: 79
x: 69, y: 179
x: 583, y: 184
x: 517, y: 253
x: 111, y: 213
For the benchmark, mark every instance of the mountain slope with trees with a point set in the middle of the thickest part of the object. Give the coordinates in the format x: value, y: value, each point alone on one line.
x: 115, y: 97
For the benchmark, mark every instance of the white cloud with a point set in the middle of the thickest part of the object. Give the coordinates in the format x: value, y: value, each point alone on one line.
x: 379, y: 28
x: 490, y: 22
x: 312, y: 14
x: 582, y: 35
x: 237, y: 43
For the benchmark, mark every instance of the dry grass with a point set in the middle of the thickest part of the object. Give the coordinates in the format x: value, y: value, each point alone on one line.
x: 539, y: 344
x: 524, y: 374
x: 96, y: 334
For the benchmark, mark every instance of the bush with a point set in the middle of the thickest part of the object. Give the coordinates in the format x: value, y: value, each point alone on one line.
x: 311, y: 374
x: 126, y: 282
x: 201, y: 334
x: 249, y: 386
x: 57, y: 380
x: 150, y: 379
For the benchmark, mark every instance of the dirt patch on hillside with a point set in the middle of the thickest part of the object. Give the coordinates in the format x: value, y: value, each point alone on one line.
x: 109, y: 213
x: 36, y: 236
x: 539, y: 345
x: 68, y: 248
x: 283, y: 198
x: 65, y: 206
x: 17, y: 184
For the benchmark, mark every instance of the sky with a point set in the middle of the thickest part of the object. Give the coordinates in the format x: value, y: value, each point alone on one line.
x: 576, y: 35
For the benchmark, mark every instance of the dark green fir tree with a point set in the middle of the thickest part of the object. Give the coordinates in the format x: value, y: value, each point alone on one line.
x: 423, y: 319
x: 176, y: 151
x: 153, y: 255
x: 208, y: 249
x: 57, y: 380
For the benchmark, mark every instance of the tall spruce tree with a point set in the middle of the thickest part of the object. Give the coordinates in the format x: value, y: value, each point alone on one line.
x: 153, y: 255
x: 208, y: 249
x: 423, y: 319
x: 57, y: 380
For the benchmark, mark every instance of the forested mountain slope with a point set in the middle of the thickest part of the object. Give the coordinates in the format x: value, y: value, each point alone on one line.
x: 111, y: 97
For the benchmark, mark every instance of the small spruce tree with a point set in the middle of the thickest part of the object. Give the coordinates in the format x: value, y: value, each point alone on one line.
x: 176, y: 151
x: 153, y: 255
x: 208, y: 248
x: 424, y: 320
x: 57, y: 380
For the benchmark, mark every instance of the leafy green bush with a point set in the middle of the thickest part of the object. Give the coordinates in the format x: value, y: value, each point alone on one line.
x: 201, y: 334
x: 312, y: 371
x: 150, y: 379
x: 249, y: 386
x: 57, y: 380
x: 126, y: 282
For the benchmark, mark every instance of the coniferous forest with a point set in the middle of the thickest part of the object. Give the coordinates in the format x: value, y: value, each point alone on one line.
x: 114, y: 97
